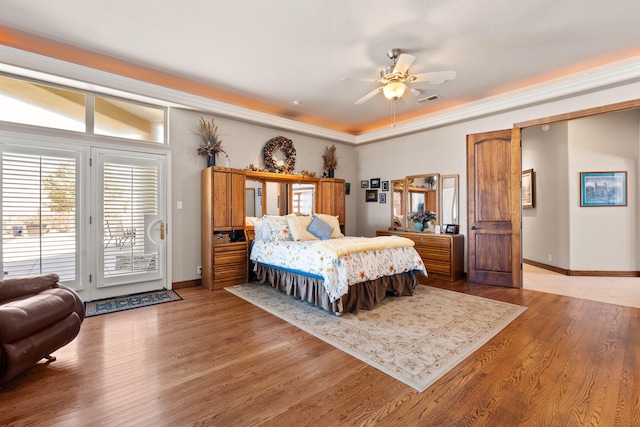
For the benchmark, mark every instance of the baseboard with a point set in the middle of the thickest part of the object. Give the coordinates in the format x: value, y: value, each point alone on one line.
x: 186, y: 284
x: 596, y: 273
x: 546, y: 267
x: 604, y: 273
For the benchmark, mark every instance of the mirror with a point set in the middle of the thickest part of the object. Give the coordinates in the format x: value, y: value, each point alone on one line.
x: 279, y: 198
x: 422, y: 194
x: 303, y: 198
x: 449, y: 189
x: 398, y: 219
x: 254, y: 190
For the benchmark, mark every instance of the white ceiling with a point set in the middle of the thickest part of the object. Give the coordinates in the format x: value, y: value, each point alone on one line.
x: 273, y: 52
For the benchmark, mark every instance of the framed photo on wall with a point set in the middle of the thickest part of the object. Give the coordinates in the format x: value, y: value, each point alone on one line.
x: 383, y: 197
x: 364, y: 184
x: 528, y: 189
x: 375, y: 182
x: 385, y: 185
x: 603, y: 188
x: 372, y: 195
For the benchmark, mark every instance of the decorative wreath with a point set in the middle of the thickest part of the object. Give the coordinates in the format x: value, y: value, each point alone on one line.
x: 279, y: 143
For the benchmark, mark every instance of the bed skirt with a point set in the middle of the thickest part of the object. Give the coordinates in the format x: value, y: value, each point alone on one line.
x: 363, y: 295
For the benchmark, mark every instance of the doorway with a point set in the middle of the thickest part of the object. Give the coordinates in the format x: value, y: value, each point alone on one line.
x: 94, y: 216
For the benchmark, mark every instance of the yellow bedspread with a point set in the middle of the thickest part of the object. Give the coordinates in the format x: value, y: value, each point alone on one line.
x: 349, y: 245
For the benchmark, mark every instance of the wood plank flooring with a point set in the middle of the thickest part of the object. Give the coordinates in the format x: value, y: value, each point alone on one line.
x: 214, y: 359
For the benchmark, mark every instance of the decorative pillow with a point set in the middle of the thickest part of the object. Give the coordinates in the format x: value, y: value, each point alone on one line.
x: 333, y: 222
x: 322, y: 230
x: 298, y: 227
x: 278, y: 228
x: 257, y: 229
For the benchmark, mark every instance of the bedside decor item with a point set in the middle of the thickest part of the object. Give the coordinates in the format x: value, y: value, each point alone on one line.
x: 279, y: 155
x: 330, y: 161
x: 603, y: 188
x: 418, y: 226
x: 210, y: 144
x: 528, y: 189
x: 422, y: 217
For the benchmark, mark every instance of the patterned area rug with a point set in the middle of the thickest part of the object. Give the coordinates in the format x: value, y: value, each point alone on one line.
x: 112, y: 305
x: 414, y: 339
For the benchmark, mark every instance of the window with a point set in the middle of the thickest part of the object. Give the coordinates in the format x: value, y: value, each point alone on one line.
x: 39, y: 215
x: 41, y: 105
x: 37, y: 104
x: 124, y: 119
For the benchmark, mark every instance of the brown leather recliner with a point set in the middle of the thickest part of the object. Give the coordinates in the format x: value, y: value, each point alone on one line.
x: 37, y: 317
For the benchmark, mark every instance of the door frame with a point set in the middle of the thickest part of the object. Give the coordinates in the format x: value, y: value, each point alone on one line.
x: 98, y: 290
x: 608, y: 108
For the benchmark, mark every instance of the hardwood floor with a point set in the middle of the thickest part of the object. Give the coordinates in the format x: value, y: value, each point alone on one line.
x: 214, y: 359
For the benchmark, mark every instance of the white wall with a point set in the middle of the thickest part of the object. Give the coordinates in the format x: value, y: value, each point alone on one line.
x: 443, y: 150
x: 545, y: 228
x: 604, y: 238
x: 243, y: 143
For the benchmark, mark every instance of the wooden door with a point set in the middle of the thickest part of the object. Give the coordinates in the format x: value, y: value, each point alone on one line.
x: 494, y: 173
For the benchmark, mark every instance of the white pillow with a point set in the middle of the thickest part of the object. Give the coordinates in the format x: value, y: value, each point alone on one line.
x: 298, y: 227
x: 332, y: 221
x: 257, y: 229
x: 278, y: 228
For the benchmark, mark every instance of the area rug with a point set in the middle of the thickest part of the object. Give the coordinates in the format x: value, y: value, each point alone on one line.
x: 112, y: 305
x: 414, y: 339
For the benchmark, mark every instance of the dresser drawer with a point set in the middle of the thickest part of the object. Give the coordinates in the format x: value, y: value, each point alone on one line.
x: 430, y: 253
x: 227, y: 271
x: 435, y: 242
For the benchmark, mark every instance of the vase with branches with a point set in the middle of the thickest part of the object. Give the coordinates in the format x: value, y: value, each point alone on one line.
x: 330, y: 161
x: 210, y: 141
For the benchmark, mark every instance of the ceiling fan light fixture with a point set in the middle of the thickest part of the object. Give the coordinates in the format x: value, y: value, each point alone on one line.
x: 394, y: 90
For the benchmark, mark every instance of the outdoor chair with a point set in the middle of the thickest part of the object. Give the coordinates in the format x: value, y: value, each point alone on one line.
x: 119, y: 235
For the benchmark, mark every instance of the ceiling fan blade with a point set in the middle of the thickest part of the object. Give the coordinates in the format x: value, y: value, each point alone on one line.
x: 404, y: 62
x: 369, y: 95
x: 435, y: 78
x: 350, y: 79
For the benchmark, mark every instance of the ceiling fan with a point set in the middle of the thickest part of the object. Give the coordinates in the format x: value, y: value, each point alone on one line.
x: 394, y: 78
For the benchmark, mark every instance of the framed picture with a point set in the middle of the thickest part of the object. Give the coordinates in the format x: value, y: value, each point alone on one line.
x: 372, y: 195
x: 347, y: 188
x: 364, y: 184
x: 603, y: 188
x: 383, y: 198
x: 260, y: 192
x: 528, y: 189
x: 385, y: 185
x: 451, y: 229
x: 375, y: 182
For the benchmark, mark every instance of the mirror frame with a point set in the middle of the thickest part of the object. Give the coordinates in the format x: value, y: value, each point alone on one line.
x: 457, y: 207
x: 403, y: 224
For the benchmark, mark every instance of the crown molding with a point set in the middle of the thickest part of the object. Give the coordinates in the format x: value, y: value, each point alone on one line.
x: 516, y: 99
x: 52, y: 70
x: 49, y: 69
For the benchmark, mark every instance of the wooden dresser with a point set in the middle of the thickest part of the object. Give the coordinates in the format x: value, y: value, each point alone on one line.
x: 224, y: 241
x: 442, y: 254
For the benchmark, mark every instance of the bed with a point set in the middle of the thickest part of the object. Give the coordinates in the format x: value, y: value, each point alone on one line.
x: 339, y: 274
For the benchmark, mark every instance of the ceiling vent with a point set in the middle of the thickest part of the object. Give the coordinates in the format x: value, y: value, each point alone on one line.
x: 429, y: 98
